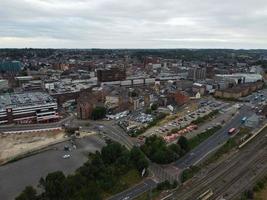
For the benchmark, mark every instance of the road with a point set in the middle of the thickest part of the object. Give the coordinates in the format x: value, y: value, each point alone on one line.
x: 108, y: 129
x: 15, y: 176
x: 135, y: 191
x: 213, y: 142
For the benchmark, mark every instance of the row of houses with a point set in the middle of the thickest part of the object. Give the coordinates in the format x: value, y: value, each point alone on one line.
x: 239, y: 90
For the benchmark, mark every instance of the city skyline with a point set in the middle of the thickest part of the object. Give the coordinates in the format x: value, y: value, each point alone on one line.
x: 138, y: 24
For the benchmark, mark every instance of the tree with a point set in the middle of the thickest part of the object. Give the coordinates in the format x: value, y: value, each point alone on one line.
x: 154, y: 106
x: 90, y: 192
x: 184, y: 144
x: 158, y: 151
x: 148, y: 111
x: 112, y: 152
x: 71, y: 130
x: 98, y: 112
x: 54, y: 186
x: 29, y: 193
x: 141, y: 164
x: 176, y: 148
x: 73, y: 184
x: 139, y: 159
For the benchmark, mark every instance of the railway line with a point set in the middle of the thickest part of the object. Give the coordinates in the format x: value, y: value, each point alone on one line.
x: 230, y: 171
x: 220, y: 187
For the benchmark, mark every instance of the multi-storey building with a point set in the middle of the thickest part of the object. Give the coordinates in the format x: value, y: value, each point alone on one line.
x: 23, y: 108
x: 197, y: 73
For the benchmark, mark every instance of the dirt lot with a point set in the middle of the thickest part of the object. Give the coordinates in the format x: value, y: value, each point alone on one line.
x: 12, y: 145
x: 262, y: 195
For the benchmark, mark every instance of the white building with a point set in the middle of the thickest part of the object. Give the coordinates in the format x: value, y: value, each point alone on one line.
x: 240, y: 77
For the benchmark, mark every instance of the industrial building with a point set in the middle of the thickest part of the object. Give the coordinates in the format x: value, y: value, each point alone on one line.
x: 240, y: 78
x: 24, y: 108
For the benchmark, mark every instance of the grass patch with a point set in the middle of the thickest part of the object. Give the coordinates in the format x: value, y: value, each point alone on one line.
x: 189, y: 173
x: 166, y: 185
x: 229, y: 145
x: 195, y: 141
x: 130, y: 178
x: 258, y: 192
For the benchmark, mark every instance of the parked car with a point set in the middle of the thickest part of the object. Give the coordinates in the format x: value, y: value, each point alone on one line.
x: 66, y: 156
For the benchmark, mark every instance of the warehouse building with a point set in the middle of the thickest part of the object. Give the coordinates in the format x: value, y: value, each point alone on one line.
x: 240, y: 78
x: 30, y: 107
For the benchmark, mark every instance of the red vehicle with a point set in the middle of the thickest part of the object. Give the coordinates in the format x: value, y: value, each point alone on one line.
x: 231, y: 131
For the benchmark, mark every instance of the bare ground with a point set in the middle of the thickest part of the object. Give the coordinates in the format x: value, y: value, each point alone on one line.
x: 12, y: 145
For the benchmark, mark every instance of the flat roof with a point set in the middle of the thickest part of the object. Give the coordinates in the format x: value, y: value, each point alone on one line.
x: 15, y: 100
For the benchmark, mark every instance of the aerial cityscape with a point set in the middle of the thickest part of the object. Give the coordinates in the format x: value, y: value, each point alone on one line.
x: 143, y: 100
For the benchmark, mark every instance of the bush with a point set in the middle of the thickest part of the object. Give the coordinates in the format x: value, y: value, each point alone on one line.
x: 189, y: 173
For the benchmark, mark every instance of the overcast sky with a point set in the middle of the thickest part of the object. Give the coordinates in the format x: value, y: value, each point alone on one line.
x: 133, y: 23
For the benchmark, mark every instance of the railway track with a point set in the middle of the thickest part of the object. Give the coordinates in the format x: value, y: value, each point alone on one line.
x: 241, y: 160
x: 236, y: 194
x: 235, y: 177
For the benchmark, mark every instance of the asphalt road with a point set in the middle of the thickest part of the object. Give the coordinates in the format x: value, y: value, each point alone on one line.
x: 213, y: 142
x: 15, y: 176
x: 135, y: 191
x: 112, y: 131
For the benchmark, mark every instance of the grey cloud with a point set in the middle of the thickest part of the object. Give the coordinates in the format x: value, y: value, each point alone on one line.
x: 133, y: 24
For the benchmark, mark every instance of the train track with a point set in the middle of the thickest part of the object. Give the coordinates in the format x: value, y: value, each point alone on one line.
x: 236, y: 194
x: 235, y: 176
x: 241, y: 160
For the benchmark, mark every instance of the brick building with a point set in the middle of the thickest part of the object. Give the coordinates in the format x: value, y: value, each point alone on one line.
x: 178, y: 98
x: 111, y: 74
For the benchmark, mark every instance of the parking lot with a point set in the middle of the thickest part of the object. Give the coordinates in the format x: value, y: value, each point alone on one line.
x: 205, y: 107
x: 29, y: 170
x: 256, y: 100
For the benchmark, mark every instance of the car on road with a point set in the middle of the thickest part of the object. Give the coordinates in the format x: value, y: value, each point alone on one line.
x: 231, y: 131
x: 66, y: 156
x: 126, y: 198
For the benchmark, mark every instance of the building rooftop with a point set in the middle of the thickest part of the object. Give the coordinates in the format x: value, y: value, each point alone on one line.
x: 15, y: 100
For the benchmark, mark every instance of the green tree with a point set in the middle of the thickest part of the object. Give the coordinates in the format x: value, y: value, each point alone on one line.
x: 29, y: 193
x: 74, y: 183
x: 184, y: 144
x: 89, y: 192
x: 54, y: 186
x: 98, y: 112
x: 112, y: 152
x: 154, y: 106
x: 176, y: 148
